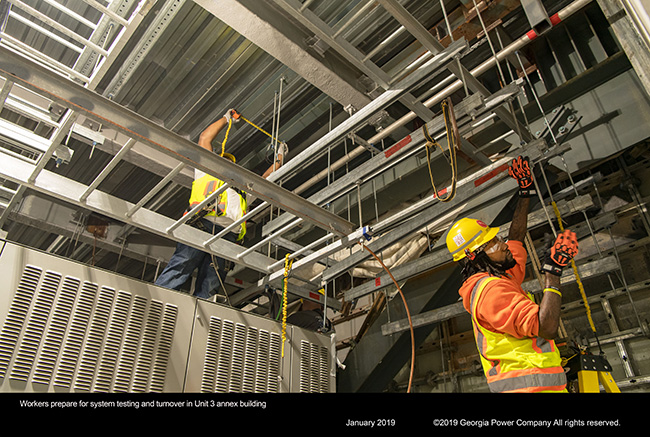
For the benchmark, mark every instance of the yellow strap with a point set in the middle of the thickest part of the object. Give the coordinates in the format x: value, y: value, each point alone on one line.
x: 553, y: 290
x: 256, y: 127
x: 575, y: 272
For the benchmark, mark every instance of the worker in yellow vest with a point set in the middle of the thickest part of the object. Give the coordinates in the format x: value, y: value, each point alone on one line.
x: 514, y: 335
x: 230, y: 206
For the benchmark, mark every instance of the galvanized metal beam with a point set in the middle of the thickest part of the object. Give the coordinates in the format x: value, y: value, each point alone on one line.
x: 70, y: 191
x: 440, y: 255
x: 357, y: 120
x: 430, y: 209
x: 383, y: 161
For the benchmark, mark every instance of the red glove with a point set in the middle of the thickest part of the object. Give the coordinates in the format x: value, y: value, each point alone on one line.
x: 560, y: 253
x: 521, y: 171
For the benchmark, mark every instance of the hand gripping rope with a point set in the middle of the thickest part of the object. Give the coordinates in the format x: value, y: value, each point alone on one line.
x: 236, y: 115
x: 575, y: 272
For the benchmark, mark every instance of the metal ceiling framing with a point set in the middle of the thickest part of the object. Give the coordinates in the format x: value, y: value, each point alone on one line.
x: 334, y: 38
x: 104, y: 112
x: 81, y: 102
x: 97, y: 75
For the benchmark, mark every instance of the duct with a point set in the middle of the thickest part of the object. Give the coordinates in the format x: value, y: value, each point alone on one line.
x: 394, y: 256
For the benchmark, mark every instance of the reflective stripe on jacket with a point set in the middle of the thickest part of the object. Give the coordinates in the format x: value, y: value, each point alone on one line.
x: 511, y: 364
x: 228, y: 204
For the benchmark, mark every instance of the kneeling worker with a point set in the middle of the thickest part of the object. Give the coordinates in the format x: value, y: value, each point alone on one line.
x: 514, y: 335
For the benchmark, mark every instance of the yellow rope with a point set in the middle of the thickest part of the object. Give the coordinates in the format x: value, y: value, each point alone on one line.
x: 287, y: 267
x: 223, y: 143
x: 257, y: 127
x: 575, y: 271
x: 451, y: 140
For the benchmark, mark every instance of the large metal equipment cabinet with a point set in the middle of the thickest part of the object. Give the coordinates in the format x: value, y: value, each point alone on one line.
x: 70, y: 327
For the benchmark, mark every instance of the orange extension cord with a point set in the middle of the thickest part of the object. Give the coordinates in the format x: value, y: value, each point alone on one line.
x: 408, y: 314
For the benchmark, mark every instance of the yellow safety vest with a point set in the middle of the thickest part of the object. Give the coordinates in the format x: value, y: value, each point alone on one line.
x: 511, y: 364
x: 229, y: 204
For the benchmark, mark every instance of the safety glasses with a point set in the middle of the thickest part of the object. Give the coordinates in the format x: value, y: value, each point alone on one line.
x: 494, y: 244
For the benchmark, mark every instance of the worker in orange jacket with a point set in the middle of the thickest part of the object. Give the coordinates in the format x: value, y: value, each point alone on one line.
x: 514, y: 335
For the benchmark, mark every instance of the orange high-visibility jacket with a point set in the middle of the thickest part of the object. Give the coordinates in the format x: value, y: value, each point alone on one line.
x: 506, y: 325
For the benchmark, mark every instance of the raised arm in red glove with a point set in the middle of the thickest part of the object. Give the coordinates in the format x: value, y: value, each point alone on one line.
x: 521, y: 171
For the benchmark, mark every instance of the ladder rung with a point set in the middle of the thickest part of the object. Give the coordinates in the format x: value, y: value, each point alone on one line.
x: 235, y: 224
x: 156, y: 189
x: 105, y: 172
x: 197, y: 208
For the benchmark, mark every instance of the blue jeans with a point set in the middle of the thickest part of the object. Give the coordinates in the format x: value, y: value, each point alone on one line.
x: 186, y: 259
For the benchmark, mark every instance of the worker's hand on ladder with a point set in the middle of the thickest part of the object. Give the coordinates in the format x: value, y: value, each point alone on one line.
x: 560, y: 253
x: 521, y: 171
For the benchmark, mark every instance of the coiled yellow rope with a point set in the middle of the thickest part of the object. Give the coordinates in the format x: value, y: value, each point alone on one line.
x: 223, y: 143
x: 287, y: 267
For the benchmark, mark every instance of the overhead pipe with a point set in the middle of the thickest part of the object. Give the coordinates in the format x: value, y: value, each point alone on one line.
x: 477, y: 71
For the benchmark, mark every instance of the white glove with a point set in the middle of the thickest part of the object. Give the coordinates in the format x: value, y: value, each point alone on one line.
x: 283, y: 149
x: 228, y: 116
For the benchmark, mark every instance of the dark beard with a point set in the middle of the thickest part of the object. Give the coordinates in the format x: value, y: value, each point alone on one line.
x: 482, y: 263
x: 506, y: 265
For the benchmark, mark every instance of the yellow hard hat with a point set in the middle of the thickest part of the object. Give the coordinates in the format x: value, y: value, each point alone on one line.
x: 229, y: 156
x: 467, y: 235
